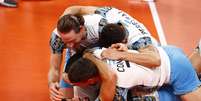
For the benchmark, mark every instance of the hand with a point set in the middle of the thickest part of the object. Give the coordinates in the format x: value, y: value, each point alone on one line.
x: 112, y: 54
x: 87, y: 55
x: 119, y: 47
x: 76, y: 99
x: 55, y: 94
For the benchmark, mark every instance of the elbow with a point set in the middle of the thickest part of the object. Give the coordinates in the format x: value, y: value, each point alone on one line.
x: 155, y: 58
x: 156, y: 62
x: 72, y: 7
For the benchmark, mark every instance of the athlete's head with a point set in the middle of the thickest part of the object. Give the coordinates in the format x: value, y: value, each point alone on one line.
x: 111, y: 34
x: 83, y: 72
x: 71, y: 29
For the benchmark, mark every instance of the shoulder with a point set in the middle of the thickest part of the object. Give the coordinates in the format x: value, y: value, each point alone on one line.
x: 56, y: 43
x: 104, y: 10
x: 92, y: 19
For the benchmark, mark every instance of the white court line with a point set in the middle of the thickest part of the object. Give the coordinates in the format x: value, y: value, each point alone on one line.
x: 157, y: 23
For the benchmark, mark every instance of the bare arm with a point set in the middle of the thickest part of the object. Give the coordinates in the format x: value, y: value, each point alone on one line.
x: 148, y: 56
x: 107, y: 90
x: 108, y: 77
x: 192, y: 96
x: 53, y: 77
x: 195, y: 59
x: 81, y: 10
x: 55, y: 63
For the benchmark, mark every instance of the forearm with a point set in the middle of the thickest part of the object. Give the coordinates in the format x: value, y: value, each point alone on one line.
x: 72, y: 10
x: 80, y: 10
x: 107, y: 92
x: 108, y: 89
x: 53, y: 75
x: 54, y: 71
x: 147, y: 58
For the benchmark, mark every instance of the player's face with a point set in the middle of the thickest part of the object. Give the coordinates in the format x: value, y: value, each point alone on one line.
x: 71, y: 39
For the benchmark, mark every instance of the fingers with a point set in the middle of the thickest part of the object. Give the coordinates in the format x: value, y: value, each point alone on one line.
x: 55, y: 89
x: 123, y: 48
x: 55, y: 95
x: 52, y: 98
x: 119, y: 47
x: 115, y: 46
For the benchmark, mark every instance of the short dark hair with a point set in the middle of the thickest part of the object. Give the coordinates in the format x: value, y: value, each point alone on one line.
x: 110, y: 34
x: 70, y: 22
x: 81, y: 70
x: 72, y: 59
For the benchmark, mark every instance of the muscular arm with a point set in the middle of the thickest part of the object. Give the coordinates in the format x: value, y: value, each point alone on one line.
x: 148, y: 56
x: 55, y: 63
x: 108, y: 77
x: 195, y: 59
x: 54, y: 76
x: 81, y: 10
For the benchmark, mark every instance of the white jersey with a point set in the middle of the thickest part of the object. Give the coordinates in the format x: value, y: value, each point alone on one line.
x: 131, y: 74
x: 92, y: 25
x: 135, y: 29
x: 138, y: 37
